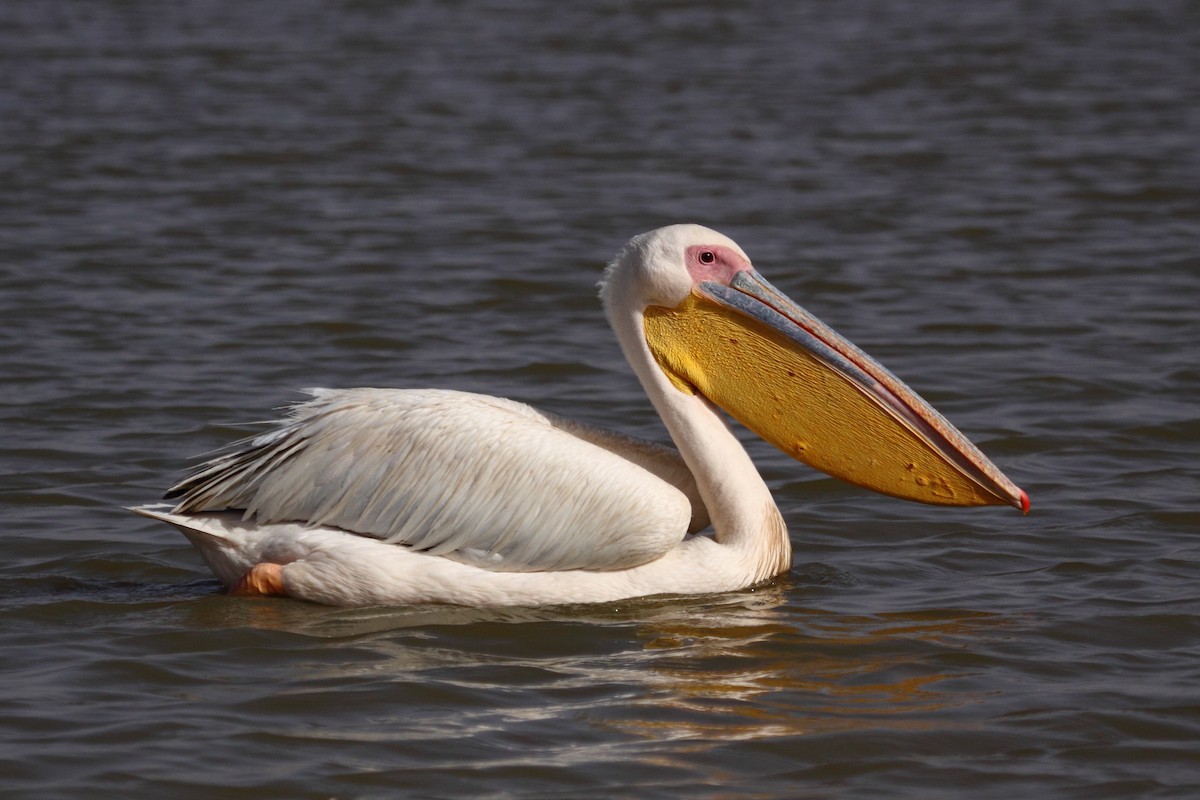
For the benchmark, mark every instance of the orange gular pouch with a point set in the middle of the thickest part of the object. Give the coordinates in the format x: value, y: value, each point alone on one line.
x: 818, y: 398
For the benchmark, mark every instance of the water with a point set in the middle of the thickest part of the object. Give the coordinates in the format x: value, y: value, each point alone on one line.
x: 206, y: 205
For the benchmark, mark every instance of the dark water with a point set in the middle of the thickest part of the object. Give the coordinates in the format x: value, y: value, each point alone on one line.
x: 204, y: 205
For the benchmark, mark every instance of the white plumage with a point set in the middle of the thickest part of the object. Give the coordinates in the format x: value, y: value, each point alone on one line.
x: 479, y: 479
x: 377, y: 496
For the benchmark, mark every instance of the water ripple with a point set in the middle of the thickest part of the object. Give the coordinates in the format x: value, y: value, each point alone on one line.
x: 207, y: 208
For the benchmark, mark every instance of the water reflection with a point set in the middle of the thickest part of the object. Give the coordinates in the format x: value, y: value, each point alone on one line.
x: 701, y: 672
x: 795, y: 671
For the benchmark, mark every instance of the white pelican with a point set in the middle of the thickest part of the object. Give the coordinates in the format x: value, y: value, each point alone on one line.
x: 381, y: 496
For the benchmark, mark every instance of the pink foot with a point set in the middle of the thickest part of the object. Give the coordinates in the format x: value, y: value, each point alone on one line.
x: 262, y: 580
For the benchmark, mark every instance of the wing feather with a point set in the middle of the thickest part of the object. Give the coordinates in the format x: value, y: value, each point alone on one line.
x: 477, y: 478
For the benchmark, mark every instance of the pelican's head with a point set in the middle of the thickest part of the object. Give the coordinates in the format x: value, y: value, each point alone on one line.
x: 717, y: 328
x: 661, y: 268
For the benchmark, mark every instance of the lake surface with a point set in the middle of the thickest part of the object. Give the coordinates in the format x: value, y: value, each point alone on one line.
x: 206, y: 205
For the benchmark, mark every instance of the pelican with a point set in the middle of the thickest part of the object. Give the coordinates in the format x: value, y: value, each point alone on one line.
x: 391, y: 497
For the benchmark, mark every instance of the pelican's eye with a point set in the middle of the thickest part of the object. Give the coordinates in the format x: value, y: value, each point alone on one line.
x: 707, y: 257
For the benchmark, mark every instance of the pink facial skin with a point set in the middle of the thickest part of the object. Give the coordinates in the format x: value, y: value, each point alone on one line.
x: 714, y: 263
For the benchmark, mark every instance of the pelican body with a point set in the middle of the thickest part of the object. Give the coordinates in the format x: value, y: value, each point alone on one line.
x: 385, y: 497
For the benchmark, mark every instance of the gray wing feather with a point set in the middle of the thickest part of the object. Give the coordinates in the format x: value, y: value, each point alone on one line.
x: 477, y: 478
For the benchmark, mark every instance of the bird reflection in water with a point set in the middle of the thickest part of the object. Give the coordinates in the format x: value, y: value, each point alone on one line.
x: 746, y: 666
x: 766, y: 670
